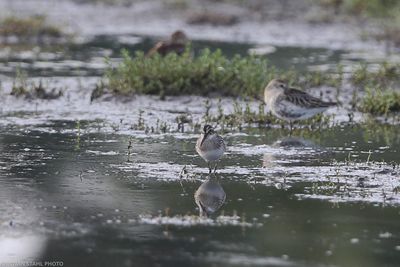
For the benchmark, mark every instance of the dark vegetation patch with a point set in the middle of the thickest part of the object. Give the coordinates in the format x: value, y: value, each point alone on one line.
x: 32, y: 29
x: 213, y: 18
x: 30, y: 90
x: 381, y: 88
x: 380, y: 102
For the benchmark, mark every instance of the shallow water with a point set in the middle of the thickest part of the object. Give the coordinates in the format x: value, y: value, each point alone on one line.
x: 75, y: 197
x: 86, y: 57
x: 68, y: 192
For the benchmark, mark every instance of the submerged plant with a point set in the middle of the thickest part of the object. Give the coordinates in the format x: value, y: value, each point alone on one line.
x: 129, y: 150
x: 140, y: 125
x: 78, y: 135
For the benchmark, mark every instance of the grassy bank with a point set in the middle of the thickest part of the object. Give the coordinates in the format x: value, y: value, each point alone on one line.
x: 210, y: 73
x: 213, y: 74
x: 180, y: 75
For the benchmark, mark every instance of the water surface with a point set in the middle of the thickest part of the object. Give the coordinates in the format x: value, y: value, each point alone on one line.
x: 69, y: 191
x: 291, y: 201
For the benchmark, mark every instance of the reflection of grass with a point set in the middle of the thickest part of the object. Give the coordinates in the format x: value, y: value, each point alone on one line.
x: 388, y: 135
x: 28, y: 28
x: 209, y: 73
x: 78, y: 135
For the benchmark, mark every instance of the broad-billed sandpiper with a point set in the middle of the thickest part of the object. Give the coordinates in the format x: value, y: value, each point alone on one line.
x: 291, y: 104
x: 209, y: 197
x: 210, y: 146
x: 175, y: 44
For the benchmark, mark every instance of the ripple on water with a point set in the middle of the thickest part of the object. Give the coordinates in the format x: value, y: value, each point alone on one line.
x: 192, y: 220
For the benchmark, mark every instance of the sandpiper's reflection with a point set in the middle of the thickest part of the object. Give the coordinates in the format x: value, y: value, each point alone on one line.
x: 210, y: 196
x: 291, y: 142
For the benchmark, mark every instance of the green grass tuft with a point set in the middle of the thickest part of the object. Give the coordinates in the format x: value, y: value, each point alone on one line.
x: 380, y: 102
x: 210, y: 72
x: 387, y: 75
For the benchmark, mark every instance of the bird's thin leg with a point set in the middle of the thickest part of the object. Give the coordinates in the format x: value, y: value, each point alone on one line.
x: 209, y: 167
x: 203, y: 213
x: 215, y: 168
x: 202, y: 209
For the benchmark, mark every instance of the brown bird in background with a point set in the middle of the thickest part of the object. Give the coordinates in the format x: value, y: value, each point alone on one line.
x: 176, y: 44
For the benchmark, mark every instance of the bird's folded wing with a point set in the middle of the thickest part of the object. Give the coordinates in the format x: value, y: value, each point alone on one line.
x: 301, y: 98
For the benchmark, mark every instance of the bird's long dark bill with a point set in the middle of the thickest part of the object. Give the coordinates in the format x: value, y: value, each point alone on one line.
x: 204, y: 138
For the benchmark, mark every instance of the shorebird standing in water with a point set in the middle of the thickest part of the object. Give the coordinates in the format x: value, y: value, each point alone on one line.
x: 291, y: 104
x: 209, y: 197
x: 176, y: 44
x: 210, y: 146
